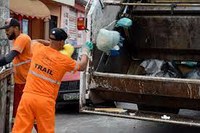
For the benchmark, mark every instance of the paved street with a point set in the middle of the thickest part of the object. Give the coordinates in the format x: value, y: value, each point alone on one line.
x: 67, y: 121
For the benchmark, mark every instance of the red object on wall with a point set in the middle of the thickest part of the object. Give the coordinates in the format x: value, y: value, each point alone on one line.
x: 80, y: 23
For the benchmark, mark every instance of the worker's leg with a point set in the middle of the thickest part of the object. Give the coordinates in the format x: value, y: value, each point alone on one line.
x: 25, y: 117
x: 18, y: 91
x: 45, y: 115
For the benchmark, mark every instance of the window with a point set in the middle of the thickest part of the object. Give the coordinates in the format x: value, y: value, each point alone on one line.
x: 25, y: 26
x: 53, y: 22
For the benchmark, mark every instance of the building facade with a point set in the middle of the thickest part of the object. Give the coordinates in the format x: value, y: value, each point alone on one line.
x: 38, y: 17
x: 69, y: 17
x: 33, y: 16
x: 65, y: 16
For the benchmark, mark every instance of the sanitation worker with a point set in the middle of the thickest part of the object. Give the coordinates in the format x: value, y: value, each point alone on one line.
x: 20, y: 55
x: 48, y: 65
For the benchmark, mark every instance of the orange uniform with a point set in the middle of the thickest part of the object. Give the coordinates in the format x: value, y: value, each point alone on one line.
x: 21, y: 64
x: 46, y: 71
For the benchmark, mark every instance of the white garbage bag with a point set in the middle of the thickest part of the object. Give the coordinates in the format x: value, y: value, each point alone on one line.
x: 107, y: 40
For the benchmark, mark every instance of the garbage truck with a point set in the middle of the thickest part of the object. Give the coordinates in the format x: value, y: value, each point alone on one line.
x: 152, y: 61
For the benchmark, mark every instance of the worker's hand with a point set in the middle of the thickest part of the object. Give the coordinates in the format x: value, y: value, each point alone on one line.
x: 88, y: 45
x: 87, y: 48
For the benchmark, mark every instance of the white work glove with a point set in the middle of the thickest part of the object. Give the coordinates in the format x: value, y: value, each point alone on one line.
x: 86, y: 49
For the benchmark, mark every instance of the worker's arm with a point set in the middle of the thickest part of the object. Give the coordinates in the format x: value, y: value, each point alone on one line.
x: 44, y: 42
x: 8, y: 58
x: 86, y: 49
x: 83, y: 62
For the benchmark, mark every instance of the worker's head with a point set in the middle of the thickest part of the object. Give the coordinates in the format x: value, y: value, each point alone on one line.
x: 57, y: 38
x: 12, y: 28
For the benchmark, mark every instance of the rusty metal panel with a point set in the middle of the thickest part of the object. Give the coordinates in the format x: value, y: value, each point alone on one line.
x: 154, y: 101
x: 156, y: 86
x: 152, y: 91
x: 167, y: 32
x: 166, y: 37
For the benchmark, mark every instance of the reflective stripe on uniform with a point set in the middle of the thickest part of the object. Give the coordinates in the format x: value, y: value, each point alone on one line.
x: 21, y: 63
x: 45, y: 78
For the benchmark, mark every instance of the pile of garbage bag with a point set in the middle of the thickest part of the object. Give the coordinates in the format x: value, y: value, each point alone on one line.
x: 160, y: 68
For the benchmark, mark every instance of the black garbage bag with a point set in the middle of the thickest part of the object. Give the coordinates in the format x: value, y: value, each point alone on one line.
x: 160, y: 68
x: 169, y: 70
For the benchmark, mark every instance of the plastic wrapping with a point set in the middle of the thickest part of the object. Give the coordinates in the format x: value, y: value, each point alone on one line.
x: 194, y: 74
x: 159, y: 68
x: 107, y: 40
x: 124, y: 22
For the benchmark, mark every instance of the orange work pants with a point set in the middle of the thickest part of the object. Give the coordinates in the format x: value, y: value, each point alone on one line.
x: 31, y: 107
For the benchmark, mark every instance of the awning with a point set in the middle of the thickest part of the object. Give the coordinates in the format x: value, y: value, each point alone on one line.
x: 30, y: 8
